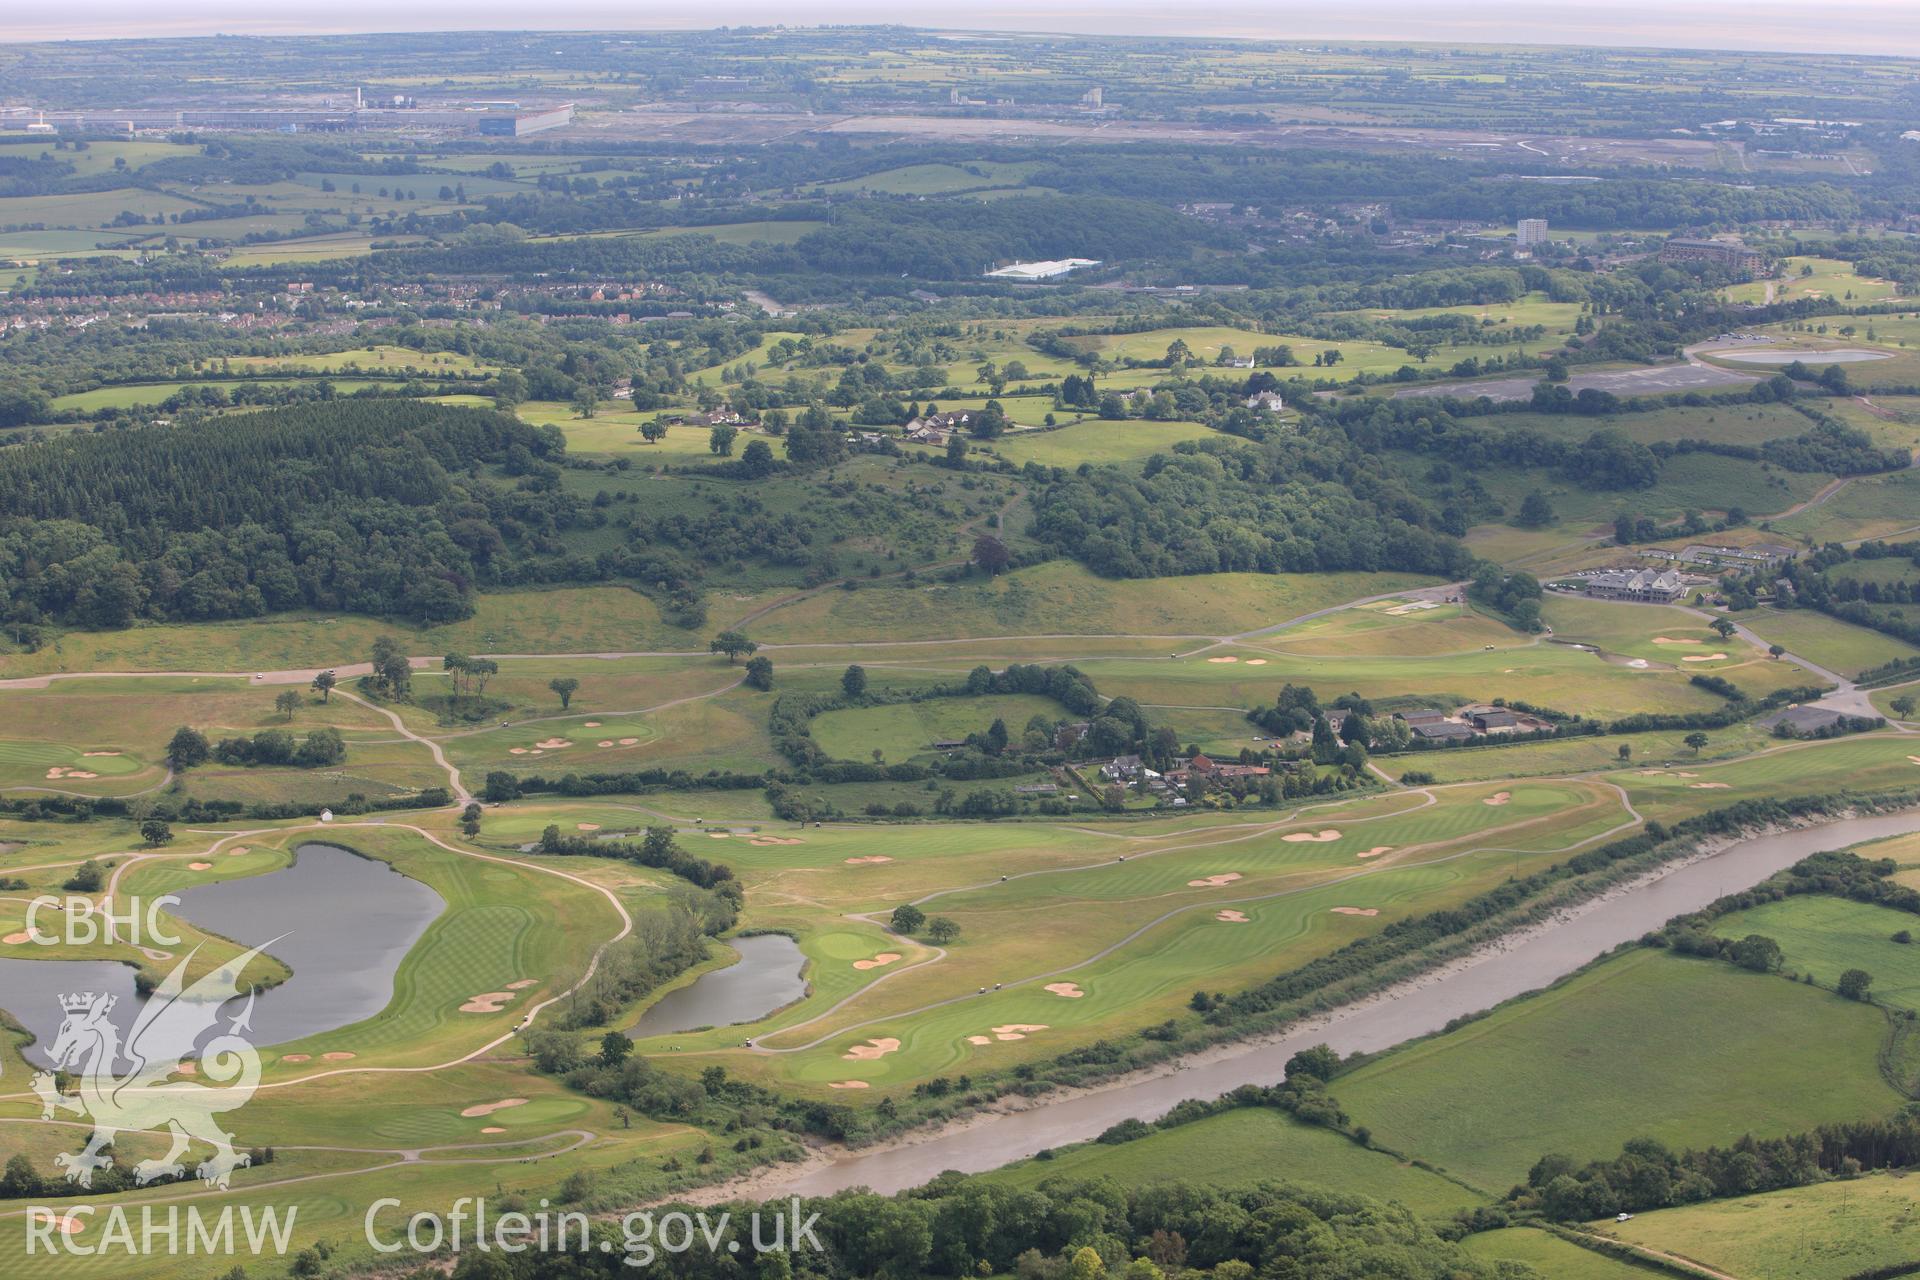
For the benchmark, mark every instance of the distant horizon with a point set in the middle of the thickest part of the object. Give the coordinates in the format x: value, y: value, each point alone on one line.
x: 1864, y: 28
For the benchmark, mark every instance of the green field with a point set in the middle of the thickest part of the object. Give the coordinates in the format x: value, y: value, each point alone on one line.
x: 1244, y: 1147
x: 1687, y: 1051
x: 1838, y: 646
x: 905, y: 729
x: 1549, y: 1255
x: 1823, y: 937
x: 1831, y: 1231
x: 1097, y: 442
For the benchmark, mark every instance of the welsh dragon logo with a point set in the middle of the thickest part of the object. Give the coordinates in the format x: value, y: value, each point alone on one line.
x: 169, y: 1029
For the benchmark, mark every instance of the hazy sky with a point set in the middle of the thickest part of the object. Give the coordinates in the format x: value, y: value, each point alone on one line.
x: 1856, y: 26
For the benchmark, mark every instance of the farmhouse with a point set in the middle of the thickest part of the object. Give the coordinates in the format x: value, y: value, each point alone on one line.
x: 1202, y: 766
x: 1271, y: 401
x: 1642, y: 585
x: 935, y: 428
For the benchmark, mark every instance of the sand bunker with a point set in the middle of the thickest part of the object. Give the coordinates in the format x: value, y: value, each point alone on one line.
x: 880, y: 961
x: 493, y: 1128
x: 1709, y: 786
x: 523, y: 984
x: 592, y: 724
x: 1914, y: 759
x: 848, y: 1084
x: 1311, y: 837
x: 553, y: 744
x: 487, y: 1002
x: 155, y: 953
x: 99, y: 753
x: 979, y: 1039
x: 604, y: 742
x: 1356, y: 911
x: 16, y: 939
x: 1229, y: 659
x: 586, y: 826
x: 1256, y: 662
x: 237, y: 851
x: 1638, y: 664
x: 65, y: 1223
x: 1671, y: 640
x: 337, y: 1057
x: 1017, y: 1030
x: 1498, y: 798
x: 718, y: 835
x: 870, y: 858
x: 297, y: 1057
x: 1071, y: 990
x: 1703, y: 657
x: 878, y: 1048
x: 1231, y: 917
x: 488, y: 1108
x: 1214, y: 882
x: 627, y: 742
x: 187, y: 1069
x: 767, y: 840
x: 1375, y: 852
x: 199, y: 866
x: 62, y: 771
x: 516, y: 751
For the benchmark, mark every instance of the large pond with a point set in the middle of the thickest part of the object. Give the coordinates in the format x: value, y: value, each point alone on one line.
x: 766, y: 978
x: 1396, y: 1015
x: 341, y: 922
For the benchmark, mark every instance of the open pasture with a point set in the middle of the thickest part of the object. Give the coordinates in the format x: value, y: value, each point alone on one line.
x: 1825, y: 937
x: 1834, y: 644
x: 562, y: 620
x: 1246, y: 1147
x: 1059, y: 597
x: 1879, y: 506
x: 898, y: 731
x: 383, y: 360
x: 1098, y: 442
x: 939, y: 179
x: 1828, y: 1231
x: 1549, y: 1255
x: 1691, y: 1052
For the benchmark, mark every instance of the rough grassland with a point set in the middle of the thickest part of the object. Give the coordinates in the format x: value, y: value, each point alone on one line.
x: 1826, y: 1232
x: 1062, y: 597
x: 1246, y: 1147
x: 1691, y: 1052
